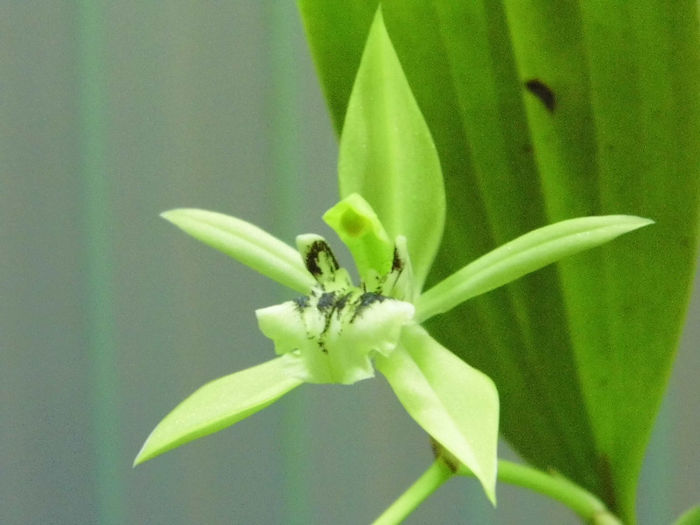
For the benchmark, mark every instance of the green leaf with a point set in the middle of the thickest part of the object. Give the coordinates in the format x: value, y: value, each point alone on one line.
x: 455, y: 403
x: 388, y: 156
x: 217, y: 405
x: 355, y: 222
x: 246, y: 243
x: 526, y: 254
x: 337, y: 47
x: 580, y: 353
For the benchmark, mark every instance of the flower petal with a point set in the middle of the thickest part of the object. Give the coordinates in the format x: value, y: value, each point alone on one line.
x: 388, y: 156
x: 455, y: 403
x: 246, y: 243
x: 219, y: 404
x: 331, y: 337
x: 321, y: 263
x: 521, y: 256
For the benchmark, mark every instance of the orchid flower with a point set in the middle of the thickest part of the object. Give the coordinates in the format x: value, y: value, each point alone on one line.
x: 391, y: 218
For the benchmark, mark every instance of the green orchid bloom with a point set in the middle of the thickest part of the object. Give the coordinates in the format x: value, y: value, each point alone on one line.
x: 391, y: 217
x: 337, y: 332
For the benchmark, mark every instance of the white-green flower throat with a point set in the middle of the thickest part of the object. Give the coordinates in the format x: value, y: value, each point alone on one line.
x: 331, y: 334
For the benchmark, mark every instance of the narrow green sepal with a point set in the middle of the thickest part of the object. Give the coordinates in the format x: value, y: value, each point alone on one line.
x: 246, y: 243
x: 217, y: 405
x: 358, y: 226
x: 521, y: 256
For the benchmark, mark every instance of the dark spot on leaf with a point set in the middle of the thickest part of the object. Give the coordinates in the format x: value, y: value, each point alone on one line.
x: 543, y: 92
x: 322, y: 346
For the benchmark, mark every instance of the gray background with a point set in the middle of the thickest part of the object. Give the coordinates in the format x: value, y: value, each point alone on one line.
x: 111, y: 113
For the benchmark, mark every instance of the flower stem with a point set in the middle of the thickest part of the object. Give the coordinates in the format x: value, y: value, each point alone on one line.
x: 423, y: 487
x: 556, y: 487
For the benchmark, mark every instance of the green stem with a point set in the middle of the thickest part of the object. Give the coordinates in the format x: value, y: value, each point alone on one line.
x: 423, y: 487
x: 556, y: 487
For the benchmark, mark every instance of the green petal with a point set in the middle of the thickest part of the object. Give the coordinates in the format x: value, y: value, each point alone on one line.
x: 217, y: 405
x: 355, y: 222
x: 246, y: 243
x: 455, y: 403
x: 388, y: 156
x: 521, y: 256
x: 320, y: 261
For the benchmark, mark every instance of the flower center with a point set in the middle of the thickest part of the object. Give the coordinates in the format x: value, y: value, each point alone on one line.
x: 331, y: 334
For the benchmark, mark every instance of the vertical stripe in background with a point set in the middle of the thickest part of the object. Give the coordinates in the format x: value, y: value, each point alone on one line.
x: 98, y: 263
x: 284, y: 103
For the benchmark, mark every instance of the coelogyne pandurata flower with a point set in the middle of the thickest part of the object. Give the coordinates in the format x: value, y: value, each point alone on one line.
x: 335, y: 332
x: 338, y: 332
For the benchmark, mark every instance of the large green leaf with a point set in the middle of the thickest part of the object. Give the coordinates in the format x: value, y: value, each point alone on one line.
x: 542, y: 111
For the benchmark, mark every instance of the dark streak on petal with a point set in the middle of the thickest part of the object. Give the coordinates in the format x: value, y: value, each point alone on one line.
x: 311, y: 260
x: 326, y: 301
x: 369, y: 298
x: 397, y: 263
x: 322, y: 346
x: 341, y: 302
x: 366, y: 300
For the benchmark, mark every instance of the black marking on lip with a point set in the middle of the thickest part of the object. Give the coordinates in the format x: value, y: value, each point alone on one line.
x: 322, y: 346
x: 326, y: 301
x: 301, y: 302
x: 311, y: 261
x: 543, y: 92
x: 366, y: 300
x: 369, y: 298
x: 342, y: 301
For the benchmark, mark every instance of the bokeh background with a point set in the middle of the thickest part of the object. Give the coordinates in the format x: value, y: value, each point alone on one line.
x: 111, y: 112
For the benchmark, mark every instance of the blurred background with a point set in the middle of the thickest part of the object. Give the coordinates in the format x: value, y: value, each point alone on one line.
x: 111, y: 112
